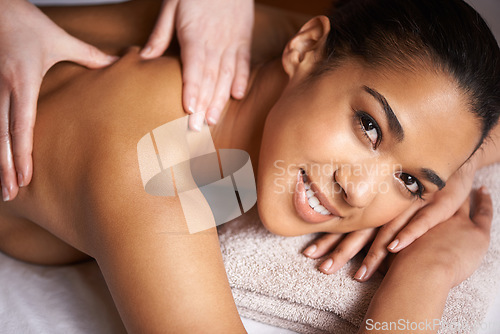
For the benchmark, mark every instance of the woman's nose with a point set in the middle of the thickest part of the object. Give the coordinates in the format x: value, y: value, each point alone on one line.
x: 358, y: 185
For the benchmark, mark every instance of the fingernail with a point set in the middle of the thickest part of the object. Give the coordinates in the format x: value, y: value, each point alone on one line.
x: 309, y: 251
x: 111, y: 59
x: 240, y: 92
x: 327, y: 265
x: 146, y: 51
x: 197, y: 126
x: 485, y: 190
x: 211, y: 119
x: 392, y: 246
x: 20, y: 180
x: 361, y: 273
x: 5, y: 194
x: 192, y: 105
x: 197, y: 121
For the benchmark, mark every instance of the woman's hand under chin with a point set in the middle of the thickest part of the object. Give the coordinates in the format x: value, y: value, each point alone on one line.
x: 457, y: 245
x: 419, y: 280
x: 396, y: 234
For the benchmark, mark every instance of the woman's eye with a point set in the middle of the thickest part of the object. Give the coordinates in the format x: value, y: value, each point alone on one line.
x: 411, y: 183
x: 370, y: 128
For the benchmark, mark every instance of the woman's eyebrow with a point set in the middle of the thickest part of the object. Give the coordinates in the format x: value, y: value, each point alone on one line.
x: 431, y: 176
x: 394, y: 126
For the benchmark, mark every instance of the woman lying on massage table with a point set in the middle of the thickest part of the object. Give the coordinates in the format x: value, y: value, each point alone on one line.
x: 382, y: 84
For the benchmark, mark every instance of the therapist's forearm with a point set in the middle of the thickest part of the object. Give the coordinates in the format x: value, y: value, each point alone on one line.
x: 411, y: 298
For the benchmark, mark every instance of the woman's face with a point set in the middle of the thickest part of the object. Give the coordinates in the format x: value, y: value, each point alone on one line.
x: 359, y: 145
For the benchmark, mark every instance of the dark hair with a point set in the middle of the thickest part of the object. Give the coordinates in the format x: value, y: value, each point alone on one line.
x: 447, y: 34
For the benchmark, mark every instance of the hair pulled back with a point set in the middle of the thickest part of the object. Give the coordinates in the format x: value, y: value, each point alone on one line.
x: 448, y: 35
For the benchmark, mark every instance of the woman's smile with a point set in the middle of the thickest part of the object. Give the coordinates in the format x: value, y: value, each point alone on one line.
x: 310, y: 203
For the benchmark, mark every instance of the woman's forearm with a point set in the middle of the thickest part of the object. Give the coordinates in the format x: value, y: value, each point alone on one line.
x: 411, y: 298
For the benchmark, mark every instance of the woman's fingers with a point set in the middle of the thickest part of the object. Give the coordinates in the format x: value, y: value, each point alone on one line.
x: 322, y: 245
x: 162, y: 34
x: 346, y: 250
x: 425, y: 219
x: 483, y: 209
x: 443, y: 205
x: 378, y: 250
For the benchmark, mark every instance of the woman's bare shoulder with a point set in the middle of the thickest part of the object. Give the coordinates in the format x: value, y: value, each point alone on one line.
x: 88, y: 126
x: 126, y: 99
x: 89, y: 122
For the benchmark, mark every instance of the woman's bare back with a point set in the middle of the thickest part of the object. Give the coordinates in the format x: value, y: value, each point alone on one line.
x: 88, y: 120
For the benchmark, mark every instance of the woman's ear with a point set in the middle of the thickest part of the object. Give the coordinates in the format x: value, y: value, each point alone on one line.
x: 305, y: 48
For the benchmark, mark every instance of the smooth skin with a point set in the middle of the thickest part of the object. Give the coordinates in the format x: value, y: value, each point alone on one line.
x: 86, y: 196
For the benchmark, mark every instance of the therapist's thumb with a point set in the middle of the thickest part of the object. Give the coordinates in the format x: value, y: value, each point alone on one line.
x: 86, y: 54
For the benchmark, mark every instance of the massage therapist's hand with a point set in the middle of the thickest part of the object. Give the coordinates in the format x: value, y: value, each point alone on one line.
x: 215, y: 40
x: 30, y: 43
x: 396, y: 234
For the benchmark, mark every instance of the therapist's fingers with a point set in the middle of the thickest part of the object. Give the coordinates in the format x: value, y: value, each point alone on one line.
x: 223, y: 86
x: 209, y: 79
x: 242, y: 74
x: 193, y: 60
x: 21, y: 124
x: 7, y: 168
x: 162, y: 34
x: 233, y: 77
x: 82, y: 53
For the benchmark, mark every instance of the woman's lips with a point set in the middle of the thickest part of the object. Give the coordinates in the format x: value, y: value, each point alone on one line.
x: 304, y: 210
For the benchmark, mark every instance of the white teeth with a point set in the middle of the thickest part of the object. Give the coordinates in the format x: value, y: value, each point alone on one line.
x: 319, y: 208
x: 314, y: 202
